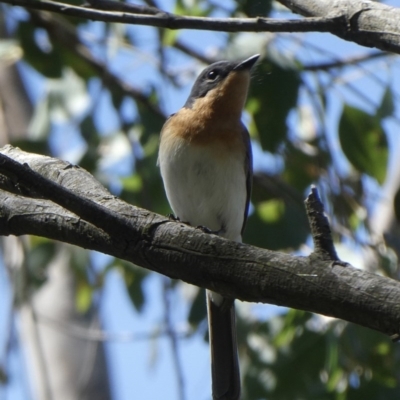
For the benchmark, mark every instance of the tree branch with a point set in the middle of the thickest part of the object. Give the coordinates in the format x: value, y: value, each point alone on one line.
x: 320, y: 229
x: 171, y: 21
x: 369, y: 23
x: 233, y: 269
x: 346, y: 62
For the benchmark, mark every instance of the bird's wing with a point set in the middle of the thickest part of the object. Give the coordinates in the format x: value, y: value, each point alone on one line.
x: 248, y: 167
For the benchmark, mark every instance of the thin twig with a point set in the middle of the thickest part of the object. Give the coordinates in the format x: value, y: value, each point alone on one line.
x: 345, y: 62
x: 190, y: 51
x: 320, y: 229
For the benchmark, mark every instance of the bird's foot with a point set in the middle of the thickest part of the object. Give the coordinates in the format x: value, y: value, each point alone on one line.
x: 173, y: 217
x: 208, y: 230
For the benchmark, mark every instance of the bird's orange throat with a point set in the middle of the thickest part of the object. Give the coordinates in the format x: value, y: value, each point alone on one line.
x: 216, y: 116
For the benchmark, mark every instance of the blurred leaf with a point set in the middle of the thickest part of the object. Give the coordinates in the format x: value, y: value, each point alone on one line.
x: 193, y: 9
x: 292, y: 371
x: 302, y: 168
x: 79, y: 262
x: 364, y: 142
x: 33, y: 146
x: 132, y: 183
x: 271, y: 211
x: 91, y: 136
x: 198, y: 309
x: 292, y: 320
x: 37, y: 259
x: 386, y: 108
x: 388, y: 259
x: 169, y: 37
x: 347, y: 205
x: 152, y: 195
x: 334, y: 380
x: 280, y: 233
x: 272, y: 95
x: 84, y: 295
x: 375, y: 358
x: 255, y: 8
x: 397, y: 205
x: 117, y: 96
x: 48, y: 63
x: 151, y: 123
x: 134, y: 277
x: 3, y: 376
x: 267, y: 187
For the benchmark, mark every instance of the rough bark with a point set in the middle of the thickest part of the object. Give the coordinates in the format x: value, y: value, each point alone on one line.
x: 89, y: 216
x: 369, y: 23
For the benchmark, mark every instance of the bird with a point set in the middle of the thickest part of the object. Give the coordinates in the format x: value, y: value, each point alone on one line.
x: 205, y: 161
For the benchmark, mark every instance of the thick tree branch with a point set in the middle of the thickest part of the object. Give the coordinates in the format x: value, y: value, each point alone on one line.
x: 369, y: 23
x: 181, y: 252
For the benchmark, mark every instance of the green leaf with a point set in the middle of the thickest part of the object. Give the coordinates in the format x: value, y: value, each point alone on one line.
x: 364, y: 142
x: 386, y: 107
x: 38, y: 258
x: 198, y: 310
x: 303, y: 168
x: 48, y: 63
x: 277, y: 233
x: 3, y: 376
x: 132, y: 183
x: 271, y: 210
x: 255, y: 8
x: 193, y: 8
x: 396, y: 205
x: 272, y: 95
x: 134, y: 277
x: 83, y: 297
x: 33, y: 146
x: 90, y: 134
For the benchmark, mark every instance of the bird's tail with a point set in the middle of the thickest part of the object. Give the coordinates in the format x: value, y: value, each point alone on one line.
x: 224, y: 357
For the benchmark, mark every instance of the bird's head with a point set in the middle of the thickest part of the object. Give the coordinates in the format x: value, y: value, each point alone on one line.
x: 222, y: 87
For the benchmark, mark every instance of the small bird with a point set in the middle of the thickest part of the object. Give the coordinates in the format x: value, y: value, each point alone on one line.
x: 206, y: 165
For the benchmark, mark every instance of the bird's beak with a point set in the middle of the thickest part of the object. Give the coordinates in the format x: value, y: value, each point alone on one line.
x: 247, y: 64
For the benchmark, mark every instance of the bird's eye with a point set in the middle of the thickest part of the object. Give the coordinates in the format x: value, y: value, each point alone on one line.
x: 212, y: 75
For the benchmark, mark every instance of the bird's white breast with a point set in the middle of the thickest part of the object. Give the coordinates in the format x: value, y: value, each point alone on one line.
x: 205, y: 186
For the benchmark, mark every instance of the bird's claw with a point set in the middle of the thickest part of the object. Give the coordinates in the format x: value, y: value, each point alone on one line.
x: 172, y: 217
x: 204, y: 229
